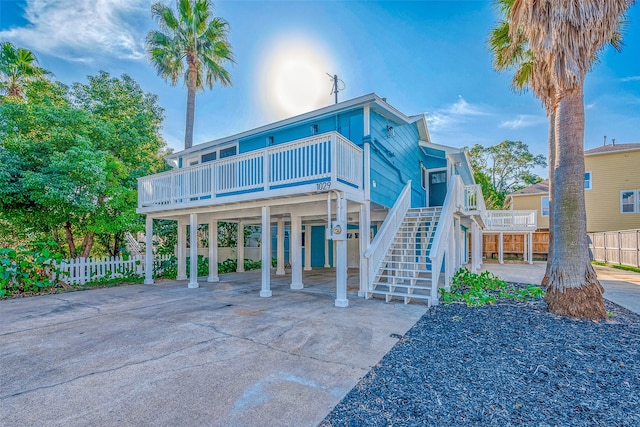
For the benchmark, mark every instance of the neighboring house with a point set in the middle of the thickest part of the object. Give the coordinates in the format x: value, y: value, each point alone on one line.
x: 612, y: 190
x: 355, y: 184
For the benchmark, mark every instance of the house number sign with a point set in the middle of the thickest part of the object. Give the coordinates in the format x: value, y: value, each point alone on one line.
x: 323, y: 186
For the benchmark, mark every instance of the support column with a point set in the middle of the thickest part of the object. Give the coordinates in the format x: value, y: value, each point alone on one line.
x: 327, y: 264
x: 474, y: 247
x: 364, y: 227
x: 240, y: 247
x: 193, y: 252
x: 280, y: 248
x: 501, y: 249
x: 266, y: 252
x: 295, y: 251
x: 341, y: 254
x: 307, y: 247
x: 213, y: 251
x: 182, y: 251
x: 148, y: 251
x: 530, y: 248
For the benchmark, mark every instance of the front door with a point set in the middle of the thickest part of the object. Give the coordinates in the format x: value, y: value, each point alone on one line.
x: 437, y: 187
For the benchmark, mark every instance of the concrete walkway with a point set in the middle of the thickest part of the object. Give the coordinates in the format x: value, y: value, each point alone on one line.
x: 620, y: 286
x: 166, y: 355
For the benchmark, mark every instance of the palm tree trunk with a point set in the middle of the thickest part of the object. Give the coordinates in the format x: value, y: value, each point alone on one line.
x: 191, y: 106
x: 573, y: 288
x: 191, y: 103
x: 552, y: 167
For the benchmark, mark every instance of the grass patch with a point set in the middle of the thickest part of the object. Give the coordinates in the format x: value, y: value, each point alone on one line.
x: 485, y: 288
x: 618, y: 266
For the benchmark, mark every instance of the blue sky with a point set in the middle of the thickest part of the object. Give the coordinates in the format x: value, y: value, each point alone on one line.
x: 423, y: 56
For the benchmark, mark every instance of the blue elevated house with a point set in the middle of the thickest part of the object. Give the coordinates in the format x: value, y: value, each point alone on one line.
x: 357, y: 184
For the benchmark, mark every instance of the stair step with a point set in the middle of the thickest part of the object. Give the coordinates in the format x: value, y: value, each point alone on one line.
x: 400, y: 285
x: 407, y: 297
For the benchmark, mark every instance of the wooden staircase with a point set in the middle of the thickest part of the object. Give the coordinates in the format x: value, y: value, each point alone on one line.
x: 405, y: 271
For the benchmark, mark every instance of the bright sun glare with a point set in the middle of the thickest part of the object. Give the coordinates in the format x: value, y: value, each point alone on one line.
x: 292, y: 78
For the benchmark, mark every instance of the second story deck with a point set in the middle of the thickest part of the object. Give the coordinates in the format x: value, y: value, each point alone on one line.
x: 310, y: 165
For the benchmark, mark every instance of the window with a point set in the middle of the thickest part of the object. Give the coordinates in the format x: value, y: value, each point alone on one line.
x: 209, y: 157
x: 219, y: 153
x: 629, y: 202
x: 544, y: 211
x: 587, y: 180
x: 229, y: 151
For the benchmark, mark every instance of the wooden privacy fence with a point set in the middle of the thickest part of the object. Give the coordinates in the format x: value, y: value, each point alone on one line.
x: 616, y: 247
x: 78, y: 271
x: 513, y: 244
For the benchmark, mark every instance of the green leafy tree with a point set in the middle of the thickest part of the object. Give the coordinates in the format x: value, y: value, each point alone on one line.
x: 193, y: 45
x: 565, y: 38
x: 73, y: 158
x: 17, y: 67
x: 504, y: 168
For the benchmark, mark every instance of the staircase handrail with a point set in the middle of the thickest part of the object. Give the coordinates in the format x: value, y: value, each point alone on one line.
x: 444, y: 224
x: 385, y: 235
x: 133, y: 244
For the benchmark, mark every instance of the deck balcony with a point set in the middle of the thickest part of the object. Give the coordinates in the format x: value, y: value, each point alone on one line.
x: 310, y: 165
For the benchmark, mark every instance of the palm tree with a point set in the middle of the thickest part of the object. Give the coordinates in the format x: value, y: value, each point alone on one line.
x: 514, y: 54
x: 193, y: 45
x: 566, y: 37
x: 17, y: 67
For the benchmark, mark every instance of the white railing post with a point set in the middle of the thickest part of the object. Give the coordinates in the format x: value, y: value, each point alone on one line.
x: 265, y: 169
x: 333, y: 166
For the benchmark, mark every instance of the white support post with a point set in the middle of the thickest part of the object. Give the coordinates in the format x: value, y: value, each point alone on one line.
x: 213, y: 251
x: 530, y: 248
x: 182, y: 251
x: 240, y: 247
x: 148, y: 251
x: 474, y: 247
x: 265, y: 292
x: 295, y: 251
x: 327, y: 264
x: 307, y: 248
x: 364, y: 227
x: 501, y: 249
x: 450, y: 259
x: 193, y: 250
x: 280, y: 248
x: 341, y: 254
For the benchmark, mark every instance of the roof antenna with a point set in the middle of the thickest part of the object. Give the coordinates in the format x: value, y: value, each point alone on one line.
x: 613, y: 141
x: 605, y: 140
x: 335, y: 88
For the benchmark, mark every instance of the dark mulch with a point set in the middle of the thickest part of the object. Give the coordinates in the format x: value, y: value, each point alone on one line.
x: 503, y: 365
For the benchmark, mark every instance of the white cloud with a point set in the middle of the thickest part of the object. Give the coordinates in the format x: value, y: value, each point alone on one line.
x: 522, y: 121
x: 452, y: 114
x: 630, y: 79
x: 84, y: 30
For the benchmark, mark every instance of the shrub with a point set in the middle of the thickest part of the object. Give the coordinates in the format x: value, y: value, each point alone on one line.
x: 485, y: 288
x: 29, y: 270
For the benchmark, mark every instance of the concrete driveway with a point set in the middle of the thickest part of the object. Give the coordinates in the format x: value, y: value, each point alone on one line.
x: 160, y: 355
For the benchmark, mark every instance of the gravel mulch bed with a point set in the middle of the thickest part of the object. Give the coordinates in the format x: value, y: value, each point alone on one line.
x: 506, y: 364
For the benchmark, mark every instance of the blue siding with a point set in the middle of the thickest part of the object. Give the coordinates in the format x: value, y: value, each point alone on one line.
x: 396, y: 159
x: 348, y: 124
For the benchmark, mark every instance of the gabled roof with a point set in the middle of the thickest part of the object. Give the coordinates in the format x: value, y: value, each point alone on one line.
x: 613, y: 148
x: 376, y: 103
x: 541, y: 187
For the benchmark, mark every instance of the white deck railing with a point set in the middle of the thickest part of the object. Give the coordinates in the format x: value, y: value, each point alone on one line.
x: 384, y: 237
x: 326, y: 157
x: 510, y: 220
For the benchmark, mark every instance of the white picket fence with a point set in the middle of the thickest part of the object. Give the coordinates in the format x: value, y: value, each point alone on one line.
x: 78, y: 271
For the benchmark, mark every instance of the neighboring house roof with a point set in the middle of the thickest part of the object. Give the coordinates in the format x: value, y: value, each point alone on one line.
x: 376, y: 103
x: 541, y: 187
x: 612, y: 148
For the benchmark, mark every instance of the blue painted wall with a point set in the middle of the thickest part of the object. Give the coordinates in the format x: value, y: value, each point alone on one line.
x: 396, y: 159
